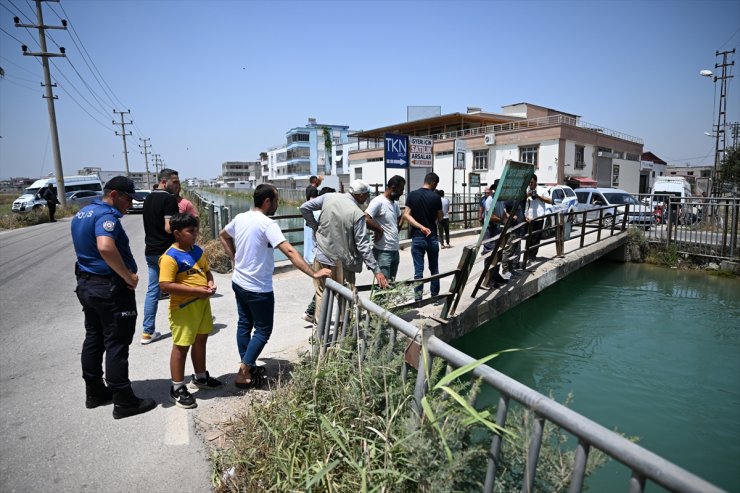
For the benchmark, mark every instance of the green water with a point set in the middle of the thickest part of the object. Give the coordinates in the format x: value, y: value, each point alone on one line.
x: 649, y: 351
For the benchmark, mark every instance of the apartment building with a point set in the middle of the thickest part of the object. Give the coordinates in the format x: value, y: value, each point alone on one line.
x: 561, y: 145
x: 304, y: 153
x: 245, y: 173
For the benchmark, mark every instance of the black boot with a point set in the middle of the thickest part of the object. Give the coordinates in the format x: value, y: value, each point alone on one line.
x: 97, y: 394
x: 126, y: 404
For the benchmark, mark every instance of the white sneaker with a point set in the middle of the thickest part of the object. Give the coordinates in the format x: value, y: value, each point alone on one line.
x: 506, y: 275
x: 150, y: 338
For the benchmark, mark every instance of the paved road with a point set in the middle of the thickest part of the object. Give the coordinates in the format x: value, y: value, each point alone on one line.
x: 50, y: 442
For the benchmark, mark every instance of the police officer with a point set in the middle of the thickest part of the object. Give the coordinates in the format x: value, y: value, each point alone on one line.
x: 106, y: 279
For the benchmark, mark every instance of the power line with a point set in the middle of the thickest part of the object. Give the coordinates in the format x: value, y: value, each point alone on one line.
x: 74, y: 31
x: 15, y: 64
x: 34, y: 89
x: 104, y: 110
x: 20, y: 11
x: 6, y: 32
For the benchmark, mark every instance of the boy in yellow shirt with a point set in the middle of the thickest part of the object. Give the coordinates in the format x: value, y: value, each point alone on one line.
x: 184, y: 273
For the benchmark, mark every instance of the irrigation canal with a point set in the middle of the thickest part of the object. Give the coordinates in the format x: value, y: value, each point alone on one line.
x: 648, y: 351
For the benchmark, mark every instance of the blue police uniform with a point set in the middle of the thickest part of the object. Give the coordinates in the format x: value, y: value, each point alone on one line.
x: 107, y: 302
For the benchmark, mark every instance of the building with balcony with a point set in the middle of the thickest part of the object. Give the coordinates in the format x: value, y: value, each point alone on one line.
x: 246, y: 173
x: 563, y: 148
x: 304, y: 153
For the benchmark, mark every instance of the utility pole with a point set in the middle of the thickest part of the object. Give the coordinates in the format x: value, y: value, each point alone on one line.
x: 719, y: 152
x: 123, y: 134
x: 146, y: 160
x: 48, y: 93
x: 156, y: 165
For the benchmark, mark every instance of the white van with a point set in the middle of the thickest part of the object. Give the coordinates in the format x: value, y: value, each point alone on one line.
x: 29, y: 201
x: 673, y: 186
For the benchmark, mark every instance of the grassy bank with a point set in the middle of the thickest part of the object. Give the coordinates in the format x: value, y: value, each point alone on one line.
x: 348, y: 425
x: 14, y: 220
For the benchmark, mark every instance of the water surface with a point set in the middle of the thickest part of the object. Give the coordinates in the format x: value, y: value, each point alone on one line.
x: 649, y: 351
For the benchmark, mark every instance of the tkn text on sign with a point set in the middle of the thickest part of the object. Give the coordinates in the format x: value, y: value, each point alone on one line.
x: 420, y: 152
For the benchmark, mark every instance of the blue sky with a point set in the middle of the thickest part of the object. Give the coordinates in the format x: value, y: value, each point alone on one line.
x: 219, y: 81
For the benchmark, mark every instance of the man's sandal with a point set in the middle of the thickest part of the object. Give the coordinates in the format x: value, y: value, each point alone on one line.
x: 258, y: 370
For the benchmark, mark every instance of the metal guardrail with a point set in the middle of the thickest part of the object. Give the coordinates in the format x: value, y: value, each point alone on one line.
x: 700, y: 226
x: 216, y: 216
x: 644, y: 465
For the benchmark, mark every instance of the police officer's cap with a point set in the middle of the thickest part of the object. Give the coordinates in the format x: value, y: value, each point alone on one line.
x: 125, y: 185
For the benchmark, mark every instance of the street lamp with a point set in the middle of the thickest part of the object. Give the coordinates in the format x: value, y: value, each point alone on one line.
x: 710, y: 74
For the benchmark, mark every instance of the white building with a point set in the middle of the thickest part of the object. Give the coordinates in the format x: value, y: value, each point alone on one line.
x: 563, y: 148
x: 289, y: 165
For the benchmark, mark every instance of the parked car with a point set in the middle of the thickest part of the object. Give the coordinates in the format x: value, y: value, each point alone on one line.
x: 137, y: 206
x: 81, y: 198
x: 591, y: 199
x: 30, y: 200
x: 564, y: 199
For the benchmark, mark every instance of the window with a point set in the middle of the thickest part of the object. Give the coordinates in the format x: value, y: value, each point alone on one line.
x: 480, y: 160
x: 529, y: 154
x: 443, y: 153
x: 580, y: 157
x: 706, y: 174
x: 690, y: 173
x: 582, y: 197
x: 297, y: 138
x: 615, y: 175
x: 633, y: 157
x: 358, y: 173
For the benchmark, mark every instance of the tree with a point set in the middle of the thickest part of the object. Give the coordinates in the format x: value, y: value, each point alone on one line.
x: 730, y: 168
x: 328, y: 144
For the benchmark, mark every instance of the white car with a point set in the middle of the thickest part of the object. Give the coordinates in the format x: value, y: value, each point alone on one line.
x: 594, y: 198
x: 137, y: 206
x: 563, y: 197
x: 81, y: 198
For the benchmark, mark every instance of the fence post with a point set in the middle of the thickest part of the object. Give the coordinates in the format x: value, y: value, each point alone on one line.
x: 423, y: 372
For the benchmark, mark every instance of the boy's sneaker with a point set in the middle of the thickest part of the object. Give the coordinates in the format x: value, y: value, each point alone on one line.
x: 207, y: 383
x: 182, y: 398
x: 150, y: 338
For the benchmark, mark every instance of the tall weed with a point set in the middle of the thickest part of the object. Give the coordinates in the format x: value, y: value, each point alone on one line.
x: 347, y: 424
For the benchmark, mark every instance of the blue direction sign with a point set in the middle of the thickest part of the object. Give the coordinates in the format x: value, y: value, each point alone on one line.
x: 396, y: 151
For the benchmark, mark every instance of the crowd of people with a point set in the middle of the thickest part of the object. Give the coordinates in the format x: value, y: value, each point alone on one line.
x: 338, y: 226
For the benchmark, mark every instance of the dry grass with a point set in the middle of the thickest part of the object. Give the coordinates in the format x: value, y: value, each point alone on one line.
x: 217, y: 257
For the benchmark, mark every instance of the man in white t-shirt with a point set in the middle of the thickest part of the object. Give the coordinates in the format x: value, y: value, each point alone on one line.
x: 384, y: 210
x: 250, y: 240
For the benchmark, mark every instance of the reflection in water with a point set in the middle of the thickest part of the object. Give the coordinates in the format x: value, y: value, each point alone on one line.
x: 649, y: 351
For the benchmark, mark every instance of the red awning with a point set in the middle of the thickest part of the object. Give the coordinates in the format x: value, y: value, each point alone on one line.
x: 583, y: 182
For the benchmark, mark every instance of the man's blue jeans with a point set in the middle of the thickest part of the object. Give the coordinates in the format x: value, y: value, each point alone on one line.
x: 430, y: 246
x: 256, y: 311
x: 151, y: 302
x: 388, y: 261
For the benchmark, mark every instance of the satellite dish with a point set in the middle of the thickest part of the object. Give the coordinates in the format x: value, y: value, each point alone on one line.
x: 706, y: 73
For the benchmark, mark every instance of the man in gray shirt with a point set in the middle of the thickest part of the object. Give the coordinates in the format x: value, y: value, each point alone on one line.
x: 342, y: 243
x: 384, y: 210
